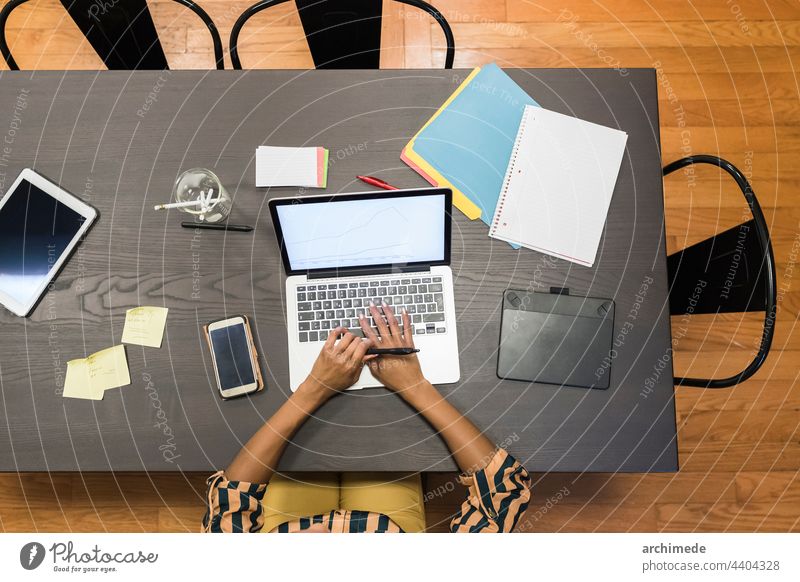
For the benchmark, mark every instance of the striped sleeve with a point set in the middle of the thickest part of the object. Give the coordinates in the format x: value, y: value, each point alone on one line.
x: 498, y: 496
x: 233, y: 506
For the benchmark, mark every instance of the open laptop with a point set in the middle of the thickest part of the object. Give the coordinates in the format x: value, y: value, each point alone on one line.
x: 341, y: 252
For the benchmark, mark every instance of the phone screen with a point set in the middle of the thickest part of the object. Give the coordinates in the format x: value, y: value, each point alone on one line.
x: 232, y: 356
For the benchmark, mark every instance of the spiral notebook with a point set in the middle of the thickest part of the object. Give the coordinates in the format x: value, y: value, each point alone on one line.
x: 558, y: 185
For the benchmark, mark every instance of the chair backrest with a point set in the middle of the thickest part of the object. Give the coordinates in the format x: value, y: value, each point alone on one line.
x: 342, y: 34
x: 702, y: 278
x: 122, y: 33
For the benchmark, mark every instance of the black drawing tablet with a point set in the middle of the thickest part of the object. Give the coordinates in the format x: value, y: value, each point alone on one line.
x: 556, y: 338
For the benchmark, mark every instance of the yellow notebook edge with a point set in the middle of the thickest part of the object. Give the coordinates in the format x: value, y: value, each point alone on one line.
x: 422, y: 167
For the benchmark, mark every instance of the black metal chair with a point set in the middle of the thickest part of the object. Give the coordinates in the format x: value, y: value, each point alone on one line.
x: 737, y: 272
x: 122, y: 33
x: 342, y: 34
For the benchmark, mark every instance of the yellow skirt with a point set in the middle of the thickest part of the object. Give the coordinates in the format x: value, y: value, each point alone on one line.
x: 294, y: 495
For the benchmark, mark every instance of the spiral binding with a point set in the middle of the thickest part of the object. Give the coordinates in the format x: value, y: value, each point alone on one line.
x: 509, y: 171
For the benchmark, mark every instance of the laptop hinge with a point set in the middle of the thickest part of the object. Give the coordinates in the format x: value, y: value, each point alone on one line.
x: 365, y: 271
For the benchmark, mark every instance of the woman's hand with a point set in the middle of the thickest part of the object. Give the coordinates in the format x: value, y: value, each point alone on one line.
x: 337, y: 367
x: 398, y: 373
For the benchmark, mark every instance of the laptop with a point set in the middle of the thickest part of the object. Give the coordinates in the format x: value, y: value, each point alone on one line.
x: 342, y: 252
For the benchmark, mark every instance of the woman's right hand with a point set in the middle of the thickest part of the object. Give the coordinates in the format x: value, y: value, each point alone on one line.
x: 398, y: 373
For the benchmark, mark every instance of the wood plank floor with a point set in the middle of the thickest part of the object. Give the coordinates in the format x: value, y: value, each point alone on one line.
x: 728, y: 70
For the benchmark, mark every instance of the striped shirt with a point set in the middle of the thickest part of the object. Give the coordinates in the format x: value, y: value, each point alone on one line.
x: 497, y: 496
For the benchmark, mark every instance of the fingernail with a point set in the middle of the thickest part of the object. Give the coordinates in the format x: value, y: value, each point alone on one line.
x: 384, y: 304
x: 404, y: 311
x: 361, y: 316
x: 371, y: 304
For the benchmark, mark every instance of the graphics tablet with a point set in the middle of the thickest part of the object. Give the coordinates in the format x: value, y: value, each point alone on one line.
x: 40, y: 226
x: 556, y: 338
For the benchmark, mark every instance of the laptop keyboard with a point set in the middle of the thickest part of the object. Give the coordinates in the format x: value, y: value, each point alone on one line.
x: 325, y: 306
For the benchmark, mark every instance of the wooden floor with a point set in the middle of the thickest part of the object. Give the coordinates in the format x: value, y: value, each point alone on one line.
x: 728, y: 72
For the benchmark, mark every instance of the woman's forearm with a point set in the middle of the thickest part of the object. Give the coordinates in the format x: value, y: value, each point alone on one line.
x: 257, y: 460
x: 337, y: 367
x: 470, y: 448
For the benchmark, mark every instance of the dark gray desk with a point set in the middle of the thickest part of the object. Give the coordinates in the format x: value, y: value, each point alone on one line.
x: 120, y: 139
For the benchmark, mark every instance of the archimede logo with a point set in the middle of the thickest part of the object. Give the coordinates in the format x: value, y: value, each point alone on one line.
x: 31, y: 555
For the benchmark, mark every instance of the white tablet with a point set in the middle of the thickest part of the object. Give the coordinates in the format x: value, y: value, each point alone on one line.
x: 40, y: 226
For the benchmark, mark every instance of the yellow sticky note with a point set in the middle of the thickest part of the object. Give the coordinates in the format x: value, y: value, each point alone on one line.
x: 144, y: 326
x: 77, y: 385
x: 90, y: 377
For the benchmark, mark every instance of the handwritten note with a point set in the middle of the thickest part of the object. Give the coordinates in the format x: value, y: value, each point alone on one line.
x: 89, y: 378
x: 144, y: 326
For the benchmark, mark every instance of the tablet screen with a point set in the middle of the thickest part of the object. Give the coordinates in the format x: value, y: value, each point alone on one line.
x: 35, y: 230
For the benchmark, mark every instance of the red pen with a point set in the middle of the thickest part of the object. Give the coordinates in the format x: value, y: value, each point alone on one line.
x: 377, y: 182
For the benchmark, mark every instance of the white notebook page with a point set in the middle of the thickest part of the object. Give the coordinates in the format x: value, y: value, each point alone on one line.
x: 559, y: 184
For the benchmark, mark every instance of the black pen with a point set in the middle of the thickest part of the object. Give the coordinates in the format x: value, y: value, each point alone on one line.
x: 391, y: 351
x: 222, y: 226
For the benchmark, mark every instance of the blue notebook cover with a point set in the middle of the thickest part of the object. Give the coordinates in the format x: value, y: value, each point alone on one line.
x: 470, y: 142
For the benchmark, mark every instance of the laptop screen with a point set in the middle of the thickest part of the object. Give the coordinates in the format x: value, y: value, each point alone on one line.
x: 367, y: 230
